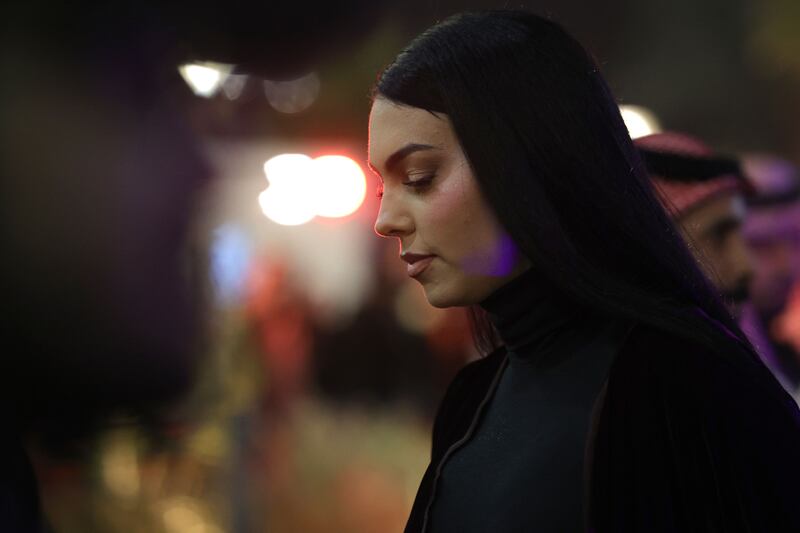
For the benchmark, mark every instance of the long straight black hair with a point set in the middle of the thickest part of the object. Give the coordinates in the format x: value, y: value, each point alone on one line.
x: 553, y: 158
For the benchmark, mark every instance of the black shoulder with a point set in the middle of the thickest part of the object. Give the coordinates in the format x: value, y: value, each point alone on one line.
x: 671, y: 359
x: 699, y: 435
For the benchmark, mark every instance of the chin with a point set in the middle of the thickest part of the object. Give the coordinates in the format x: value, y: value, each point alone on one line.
x: 443, y: 297
x: 440, y: 303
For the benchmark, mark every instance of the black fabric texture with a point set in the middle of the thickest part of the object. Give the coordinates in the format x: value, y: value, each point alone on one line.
x: 525, y: 459
x: 683, y: 439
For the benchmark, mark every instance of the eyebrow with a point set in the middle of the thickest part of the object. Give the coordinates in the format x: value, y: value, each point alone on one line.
x: 393, y: 160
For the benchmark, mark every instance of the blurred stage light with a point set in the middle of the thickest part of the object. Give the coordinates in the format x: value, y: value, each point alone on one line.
x: 230, y: 256
x: 205, y: 79
x: 292, y: 96
x: 639, y: 121
x: 233, y: 86
x: 120, y: 464
x: 288, y: 200
x: 340, y: 186
x: 301, y: 188
x: 185, y: 515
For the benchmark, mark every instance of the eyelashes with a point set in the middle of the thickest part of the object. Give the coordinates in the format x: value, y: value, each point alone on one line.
x: 417, y: 185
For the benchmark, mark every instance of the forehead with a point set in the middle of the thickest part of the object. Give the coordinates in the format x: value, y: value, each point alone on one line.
x: 392, y: 126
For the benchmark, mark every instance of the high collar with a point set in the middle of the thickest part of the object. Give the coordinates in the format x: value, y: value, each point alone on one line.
x: 529, y: 313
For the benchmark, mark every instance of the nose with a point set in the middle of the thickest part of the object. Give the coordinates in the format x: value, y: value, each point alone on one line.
x: 393, y: 220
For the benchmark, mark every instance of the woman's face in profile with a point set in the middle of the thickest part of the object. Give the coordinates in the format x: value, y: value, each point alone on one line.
x: 431, y: 202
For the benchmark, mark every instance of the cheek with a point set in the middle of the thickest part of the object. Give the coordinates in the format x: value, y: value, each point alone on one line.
x: 467, y: 233
x: 444, y: 215
x: 713, y: 259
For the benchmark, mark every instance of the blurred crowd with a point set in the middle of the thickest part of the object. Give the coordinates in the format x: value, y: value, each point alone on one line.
x: 740, y: 219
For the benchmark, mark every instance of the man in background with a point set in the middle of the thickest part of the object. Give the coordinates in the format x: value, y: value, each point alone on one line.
x: 705, y: 195
x: 772, y: 230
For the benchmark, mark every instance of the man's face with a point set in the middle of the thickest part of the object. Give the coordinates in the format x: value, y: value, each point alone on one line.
x: 773, y: 234
x: 713, y: 231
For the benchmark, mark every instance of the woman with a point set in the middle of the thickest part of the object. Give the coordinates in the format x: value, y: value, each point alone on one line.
x: 623, y: 397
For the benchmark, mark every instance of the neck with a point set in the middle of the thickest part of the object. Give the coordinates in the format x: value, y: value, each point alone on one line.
x: 528, y: 313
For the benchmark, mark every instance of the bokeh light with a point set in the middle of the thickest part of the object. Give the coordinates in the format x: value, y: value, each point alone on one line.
x: 301, y: 188
x: 234, y: 85
x: 640, y: 121
x: 286, y: 201
x: 182, y: 515
x: 292, y: 96
x: 205, y: 79
x: 230, y: 255
x: 340, y: 185
x: 120, y: 465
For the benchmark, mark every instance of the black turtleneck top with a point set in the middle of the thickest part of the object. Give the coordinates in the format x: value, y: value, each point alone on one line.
x: 522, y: 468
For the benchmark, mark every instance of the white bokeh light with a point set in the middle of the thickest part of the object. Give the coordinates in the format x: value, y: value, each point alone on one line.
x: 301, y: 188
x: 286, y: 201
x: 340, y: 185
x: 640, y: 121
x: 205, y: 79
x: 234, y: 85
x: 292, y: 96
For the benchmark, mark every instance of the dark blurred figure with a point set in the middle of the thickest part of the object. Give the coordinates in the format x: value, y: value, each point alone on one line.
x: 772, y: 230
x: 705, y: 195
x: 281, y: 318
x: 100, y: 172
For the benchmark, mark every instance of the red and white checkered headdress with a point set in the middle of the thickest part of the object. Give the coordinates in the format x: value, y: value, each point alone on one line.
x: 686, y: 172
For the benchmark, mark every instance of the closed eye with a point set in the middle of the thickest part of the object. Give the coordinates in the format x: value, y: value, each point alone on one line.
x: 419, y: 183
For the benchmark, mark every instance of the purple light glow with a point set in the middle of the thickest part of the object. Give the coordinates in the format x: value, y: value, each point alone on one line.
x: 498, y: 262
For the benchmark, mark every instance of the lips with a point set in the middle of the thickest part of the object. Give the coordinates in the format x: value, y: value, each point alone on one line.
x: 417, y: 263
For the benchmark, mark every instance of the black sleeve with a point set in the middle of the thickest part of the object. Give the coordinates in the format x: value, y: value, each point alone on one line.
x: 693, y: 441
x: 753, y: 438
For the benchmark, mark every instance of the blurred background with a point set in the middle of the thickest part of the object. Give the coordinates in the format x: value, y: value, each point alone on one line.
x: 308, y: 401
